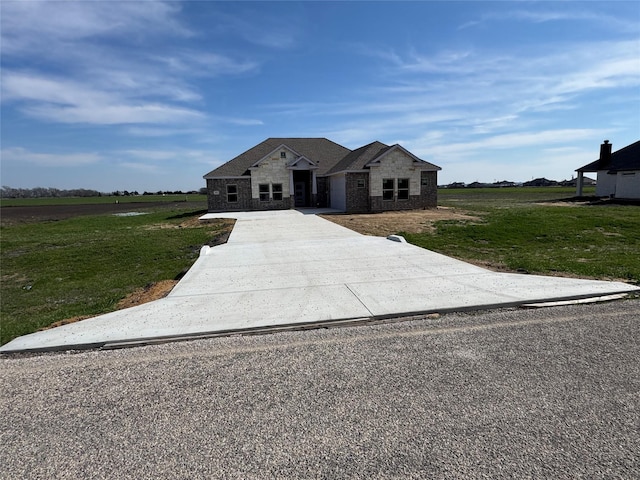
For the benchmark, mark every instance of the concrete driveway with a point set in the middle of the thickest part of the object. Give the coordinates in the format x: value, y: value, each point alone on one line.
x: 291, y: 268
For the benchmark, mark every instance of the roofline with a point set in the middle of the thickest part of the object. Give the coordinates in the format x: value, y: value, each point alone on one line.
x: 397, y: 146
x: 279, y: 147
x: 226, y: 177
x: 305, y: 158
x: 343, y: 171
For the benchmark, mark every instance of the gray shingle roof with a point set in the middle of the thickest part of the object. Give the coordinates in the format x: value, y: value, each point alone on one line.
x: 327, y: 155
x: 321, y: 151
x: 627, y: 158
x: 358, y: 158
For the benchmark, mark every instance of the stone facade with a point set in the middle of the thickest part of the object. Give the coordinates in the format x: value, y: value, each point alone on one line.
x: 395, y: 165
x: 429, y: 189
x: 303, y: 172
x: 270, y: 171
x: 284, y: 204
x: 218, y: 197
x: 423, y: 189
x: 357, y: 192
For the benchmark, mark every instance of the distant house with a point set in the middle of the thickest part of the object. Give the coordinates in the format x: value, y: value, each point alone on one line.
x: 455, y: 185
x: 540, y: 182
x: 477, y: 185
x: 618, y: 173
x: 504, y: 183
x: 283, y: 173
x: 586, y: 181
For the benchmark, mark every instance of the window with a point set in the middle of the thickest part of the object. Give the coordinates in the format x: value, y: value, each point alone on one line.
x: 387, y: 188
x: 276, y: 188
x: 361, y: 183
x: 232, y: 193
x: 403, y: 189
x: 263, y: 189
x: 283, y: 154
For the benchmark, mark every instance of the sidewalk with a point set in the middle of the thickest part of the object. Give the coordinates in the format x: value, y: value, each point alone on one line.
x: 291, y: 268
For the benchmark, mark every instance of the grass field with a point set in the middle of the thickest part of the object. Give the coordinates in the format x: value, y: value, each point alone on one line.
x: 82, y: 266
x: 533, y: 230
x: 54, y: 270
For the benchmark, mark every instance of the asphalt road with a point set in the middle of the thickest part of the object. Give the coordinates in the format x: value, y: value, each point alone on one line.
x: 551, y: 393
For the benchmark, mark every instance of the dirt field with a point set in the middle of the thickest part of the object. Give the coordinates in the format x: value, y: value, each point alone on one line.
x: 45, y: 213
x: 388, y: 223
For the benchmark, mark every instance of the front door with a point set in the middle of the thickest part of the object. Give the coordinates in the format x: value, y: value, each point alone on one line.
x: 300, y: 194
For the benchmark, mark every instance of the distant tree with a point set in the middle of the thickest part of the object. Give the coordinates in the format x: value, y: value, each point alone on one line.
x: 43, y: 192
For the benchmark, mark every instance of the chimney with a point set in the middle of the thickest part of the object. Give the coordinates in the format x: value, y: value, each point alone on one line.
x: 605, y: 154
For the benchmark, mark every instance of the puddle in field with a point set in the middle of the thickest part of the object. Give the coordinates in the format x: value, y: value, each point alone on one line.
x: 129, y: 214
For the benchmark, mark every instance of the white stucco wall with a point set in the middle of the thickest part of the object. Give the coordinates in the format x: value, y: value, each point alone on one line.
x: 271, y: 170
x: 628, y: 184
x: 396, y: 164
x: 338, y: 191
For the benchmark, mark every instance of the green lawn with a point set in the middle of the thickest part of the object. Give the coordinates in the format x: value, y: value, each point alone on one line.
x: 83, y: 266
x: 528, y: 230
x: 55, y: 270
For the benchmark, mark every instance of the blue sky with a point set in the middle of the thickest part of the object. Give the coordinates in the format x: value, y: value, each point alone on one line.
x: 150, y: 95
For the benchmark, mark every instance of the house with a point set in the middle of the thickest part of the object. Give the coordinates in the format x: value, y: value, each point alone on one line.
x: 586, y: 181
x: 618, y: 173
x: 540, y: 182
x: 283, y: 173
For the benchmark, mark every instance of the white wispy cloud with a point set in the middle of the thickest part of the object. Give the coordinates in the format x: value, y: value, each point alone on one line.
x: 67, y: 101
x: 97, y: 81
x: 18, y: 155
x: 498, y: 95
x: 592, y: 16
x: 27, y: 26
x: 205, y: 64
x: 272, y: 30
x: 516, y: 140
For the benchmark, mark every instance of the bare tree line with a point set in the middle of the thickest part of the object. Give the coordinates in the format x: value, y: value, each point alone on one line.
x: 45, y: 192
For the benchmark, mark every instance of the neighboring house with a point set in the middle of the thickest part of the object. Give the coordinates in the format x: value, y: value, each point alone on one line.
x: 618, y: 173
x: 586, y: 181
x: 283, y: 173
x: 540, y: 182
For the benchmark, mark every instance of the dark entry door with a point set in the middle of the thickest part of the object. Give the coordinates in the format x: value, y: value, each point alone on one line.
x: 300, y: 194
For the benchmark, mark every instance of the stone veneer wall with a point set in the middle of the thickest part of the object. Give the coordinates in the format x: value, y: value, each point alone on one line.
x: 429, y: 189
x: 395, y: 165
x: 272, y: 170
x: 423, y: 188
x: 217, y: 202
x: 428, y: 197
x: 414, y: 202
x: 284, y: 204
x: 357, y: 198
